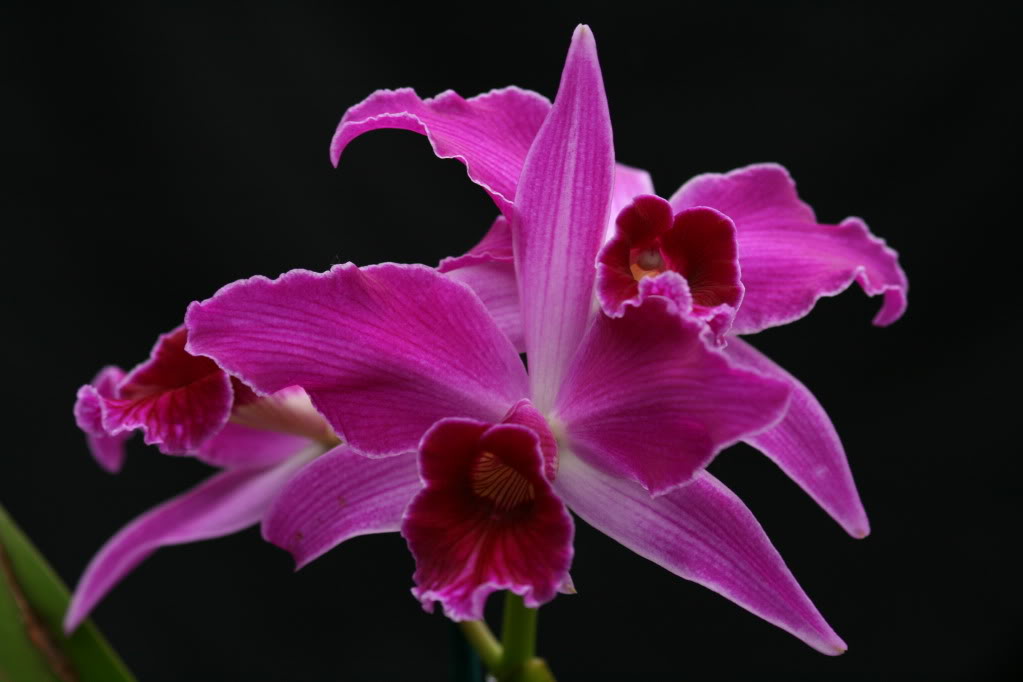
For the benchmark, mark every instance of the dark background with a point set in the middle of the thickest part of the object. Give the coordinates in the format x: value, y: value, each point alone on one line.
x: 160, y: 151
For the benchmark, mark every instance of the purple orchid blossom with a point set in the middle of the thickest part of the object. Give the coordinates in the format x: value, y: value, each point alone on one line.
x: 739, y: 251
x: 616, y: 419
x: 185, y: 404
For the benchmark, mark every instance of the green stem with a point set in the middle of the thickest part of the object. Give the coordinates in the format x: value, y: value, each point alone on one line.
x: 479, y: 635
x: 518, y: 635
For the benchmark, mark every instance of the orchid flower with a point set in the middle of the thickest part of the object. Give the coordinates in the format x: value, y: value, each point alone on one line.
x: 739, y: 251
x: 187, y: 405
x: 616, y: 418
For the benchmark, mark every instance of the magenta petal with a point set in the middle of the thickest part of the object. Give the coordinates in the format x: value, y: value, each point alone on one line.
x: 237, y: 446
x: 562, y: 207
x: 704, y: 533
x: 487, y: 519
x: 489, y: 133
x: 339, y: 496
x: 221, y: 505
x: 805, y: 445
x: 646, y: 398
x: 383, y: 351
x: 106, y: 449
x: 489, y: 270
x: 178, y: 400
x: 629, y: 184
x: 788, y: 259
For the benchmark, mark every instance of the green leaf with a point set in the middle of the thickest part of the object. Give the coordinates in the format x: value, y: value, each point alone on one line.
x: 25, y: 577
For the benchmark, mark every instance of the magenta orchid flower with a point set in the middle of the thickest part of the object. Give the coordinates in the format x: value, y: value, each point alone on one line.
x: 739, y: 251
x: 187, y: 405
x: 616, y: 418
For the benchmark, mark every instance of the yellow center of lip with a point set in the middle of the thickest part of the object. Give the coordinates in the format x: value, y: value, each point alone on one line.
x: 648, y: 262
x: 496, y: 481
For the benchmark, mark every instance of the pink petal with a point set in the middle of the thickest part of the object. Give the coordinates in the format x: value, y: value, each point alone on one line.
x: 489, y: 133
x: 237, y: 446
x: 562, y: 206
x: 805, y: 445
x: 106, y: 449
x: 339, y: 496
x: 221, y: 505
x: 704, y: 533
x: 489, y: 270
x: 486, y: 520
x: 383, y: 351
x: 789, y: 260
x: 647, y: 399
x: 629, y: 184
x: 176, y: 399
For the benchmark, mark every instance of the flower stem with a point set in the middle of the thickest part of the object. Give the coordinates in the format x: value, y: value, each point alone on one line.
x: 518, y: 635
x: 514, y: 659
x: 483, y: 641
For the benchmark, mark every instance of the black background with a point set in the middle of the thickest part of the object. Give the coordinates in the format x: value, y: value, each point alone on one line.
x: 160, y: 151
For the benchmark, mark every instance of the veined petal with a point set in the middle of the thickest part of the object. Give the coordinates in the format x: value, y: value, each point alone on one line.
x: 562, y: 205
x: 788, y: 259
x: 704, y: 533
x: 383, y: 351
x: 489, y: 270
x: 221, y: 505
x: 805, y: 445
x: 339, y: 496
x: 489, y: 133
x: 176, y: 399
x: 106, y: 449
x: 647, y: 399
x: 486, y: 520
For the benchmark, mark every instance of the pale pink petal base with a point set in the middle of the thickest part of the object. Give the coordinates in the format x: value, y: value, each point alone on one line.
x: 339, y: 496
x: 704, y: 533
x: 805, y: 445
x: 223, y: 504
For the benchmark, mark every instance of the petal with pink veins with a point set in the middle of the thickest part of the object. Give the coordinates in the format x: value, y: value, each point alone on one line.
x: 486, y: 520
x: 221, y: 505
x: 788, y: 259
x: 339, y: 496
x: 647, y: 399
x: 489, y: 133
x: 805, y: 445
x: 704, y: 533
x: 383, y: 351
x: 562, y: 206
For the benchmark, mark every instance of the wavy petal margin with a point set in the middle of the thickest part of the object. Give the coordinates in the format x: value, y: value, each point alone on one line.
x: 789, y: 260
x: 489, y: 133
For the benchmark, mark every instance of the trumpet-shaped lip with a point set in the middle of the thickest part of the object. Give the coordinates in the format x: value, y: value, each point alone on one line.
x: 486, y: 519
